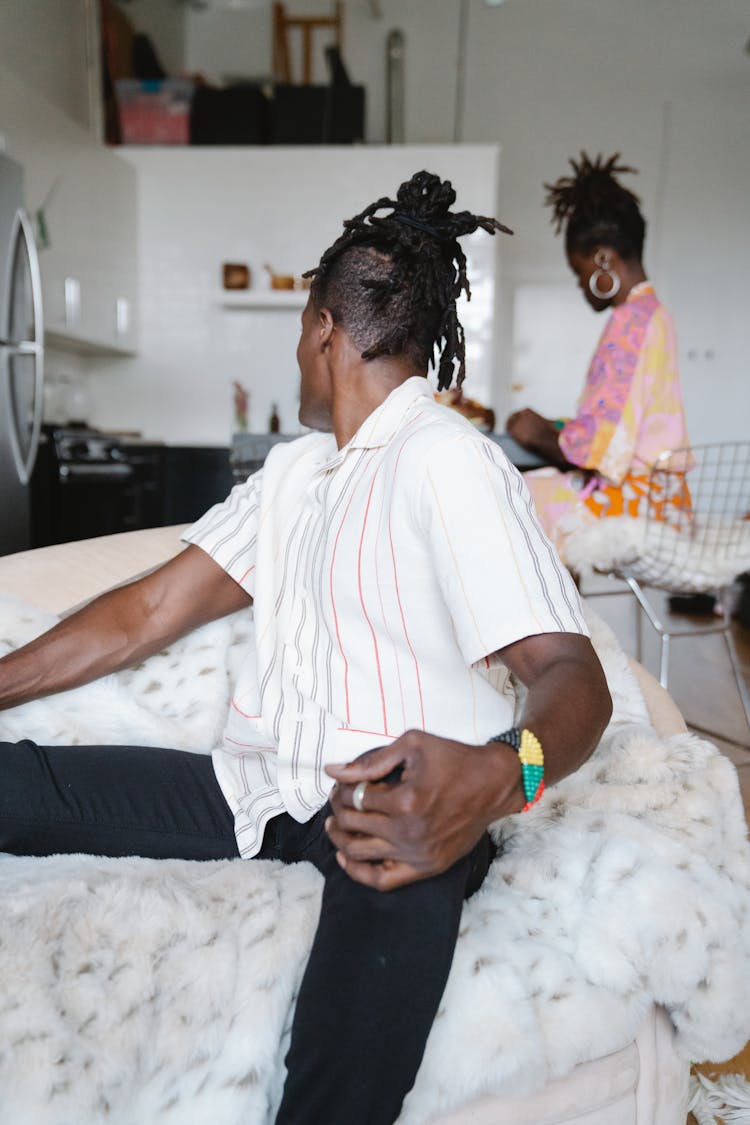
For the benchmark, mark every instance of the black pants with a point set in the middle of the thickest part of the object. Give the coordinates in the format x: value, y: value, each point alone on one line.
x: 379, y: 961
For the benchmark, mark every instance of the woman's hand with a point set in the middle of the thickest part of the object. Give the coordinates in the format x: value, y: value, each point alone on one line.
x: 434, y: 807
x: 538, y: 434
x: 529, y: 428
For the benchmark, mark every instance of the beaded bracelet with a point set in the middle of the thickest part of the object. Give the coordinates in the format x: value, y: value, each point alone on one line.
x: 529, y: 750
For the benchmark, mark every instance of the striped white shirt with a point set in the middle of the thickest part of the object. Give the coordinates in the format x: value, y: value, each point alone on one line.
x: 384, y: 576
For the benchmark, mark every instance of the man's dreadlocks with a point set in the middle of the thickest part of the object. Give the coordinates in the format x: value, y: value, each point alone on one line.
x: 596, y: 209
x: 392, y: 281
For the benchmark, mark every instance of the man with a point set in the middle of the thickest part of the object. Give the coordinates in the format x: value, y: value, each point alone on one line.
x: 398, y: 577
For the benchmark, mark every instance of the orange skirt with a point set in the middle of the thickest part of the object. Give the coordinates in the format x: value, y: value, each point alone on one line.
x: 567, y: 501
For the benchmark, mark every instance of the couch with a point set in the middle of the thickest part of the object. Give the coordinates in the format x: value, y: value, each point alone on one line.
x: 634, y: 1069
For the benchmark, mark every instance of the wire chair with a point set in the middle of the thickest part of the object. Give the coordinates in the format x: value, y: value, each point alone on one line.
x: 695, y: 540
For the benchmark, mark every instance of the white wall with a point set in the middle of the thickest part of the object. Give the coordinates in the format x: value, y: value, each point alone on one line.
x: 220, y: 42
x: 44, y: 43
x: 164, y: 22
x: 283, y: 206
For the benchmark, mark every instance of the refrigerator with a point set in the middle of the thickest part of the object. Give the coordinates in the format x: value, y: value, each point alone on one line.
x: 21, y: 359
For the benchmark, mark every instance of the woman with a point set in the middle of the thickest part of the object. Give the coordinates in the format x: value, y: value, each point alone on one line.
x: 631, y: 408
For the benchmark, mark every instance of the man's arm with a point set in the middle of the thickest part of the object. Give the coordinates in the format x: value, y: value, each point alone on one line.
x: 121, y: 627
x: 449, y: 792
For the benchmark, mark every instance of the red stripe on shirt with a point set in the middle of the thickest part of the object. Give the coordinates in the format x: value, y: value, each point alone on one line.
x: 243, y: 713
x: 362, y: 600
x: 398, y: 594
x: 386, y: 626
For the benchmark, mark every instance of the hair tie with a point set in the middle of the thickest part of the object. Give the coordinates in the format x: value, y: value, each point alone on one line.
x: 416, y: 224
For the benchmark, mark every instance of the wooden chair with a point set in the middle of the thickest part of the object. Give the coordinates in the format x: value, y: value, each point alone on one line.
x: 283, y: 24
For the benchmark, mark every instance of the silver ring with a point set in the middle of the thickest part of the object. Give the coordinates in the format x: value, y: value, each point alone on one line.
x: 358, y: 796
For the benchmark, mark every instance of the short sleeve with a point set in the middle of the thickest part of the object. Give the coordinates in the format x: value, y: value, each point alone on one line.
x: 499, y: 574
x: 228, y: 532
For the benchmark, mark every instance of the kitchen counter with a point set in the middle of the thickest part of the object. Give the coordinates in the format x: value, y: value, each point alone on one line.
x: 522, y: 458
x: 249, y: 451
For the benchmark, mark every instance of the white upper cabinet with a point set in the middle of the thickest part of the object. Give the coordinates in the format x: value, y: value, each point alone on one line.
x: 87, y: 196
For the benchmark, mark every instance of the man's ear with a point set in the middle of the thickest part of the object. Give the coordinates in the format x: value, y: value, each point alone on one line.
x: 327, y: 327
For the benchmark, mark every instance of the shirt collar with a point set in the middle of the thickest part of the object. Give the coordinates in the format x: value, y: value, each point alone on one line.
x: 379, y: 427
x: 640, y: 290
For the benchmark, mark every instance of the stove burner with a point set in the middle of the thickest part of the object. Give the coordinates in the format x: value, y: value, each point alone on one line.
x: 87, y: 446
x: 88, y: 453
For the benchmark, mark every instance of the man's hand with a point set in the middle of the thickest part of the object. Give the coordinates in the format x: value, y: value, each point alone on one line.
x: 418, y: 824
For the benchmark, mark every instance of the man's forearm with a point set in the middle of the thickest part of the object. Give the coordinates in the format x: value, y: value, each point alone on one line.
x: 104, y: 636
x: 567, y: 705
x: 121, y: 627
x: 567, y: 709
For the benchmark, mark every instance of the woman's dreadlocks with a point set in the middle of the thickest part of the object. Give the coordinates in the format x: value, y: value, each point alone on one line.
x: 392, y: 280
x: 596, y: 209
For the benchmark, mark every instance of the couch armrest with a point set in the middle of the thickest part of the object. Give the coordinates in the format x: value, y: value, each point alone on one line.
x: 665, y: 716
x: 61, y: 577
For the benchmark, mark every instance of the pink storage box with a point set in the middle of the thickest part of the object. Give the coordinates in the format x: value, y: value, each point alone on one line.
x: 154, y: 112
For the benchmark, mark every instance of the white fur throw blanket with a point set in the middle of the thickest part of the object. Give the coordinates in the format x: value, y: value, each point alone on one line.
x: 705, y: 556
x: 160, y: 992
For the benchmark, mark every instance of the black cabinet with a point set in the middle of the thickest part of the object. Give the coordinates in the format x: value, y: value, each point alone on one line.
x: 144, y: 485
x: 193, y: 478
x: 175, y: 483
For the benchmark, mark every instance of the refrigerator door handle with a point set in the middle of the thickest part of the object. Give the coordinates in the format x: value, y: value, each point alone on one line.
x: 26, y: 347
x: 36, y: 296
x: 24, y: 465
x: 36, y: 276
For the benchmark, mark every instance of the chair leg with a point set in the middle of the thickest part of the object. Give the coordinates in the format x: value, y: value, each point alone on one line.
x: 638, y: 631
x: 647, y: 608
x: 664, y: 661
x: 739, y: 678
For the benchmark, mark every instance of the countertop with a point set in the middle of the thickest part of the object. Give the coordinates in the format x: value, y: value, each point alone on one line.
x: 253, y: 448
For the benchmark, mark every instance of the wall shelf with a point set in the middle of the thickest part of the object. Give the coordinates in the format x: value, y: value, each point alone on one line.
x: 64, y: 340
x: 264, y: 299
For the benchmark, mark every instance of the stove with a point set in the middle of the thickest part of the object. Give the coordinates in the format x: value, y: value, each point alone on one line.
x: 82, y: 486
x: 90, y: 455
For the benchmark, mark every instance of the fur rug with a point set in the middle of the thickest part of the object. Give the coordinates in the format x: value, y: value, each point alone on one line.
x: 161, y: 991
